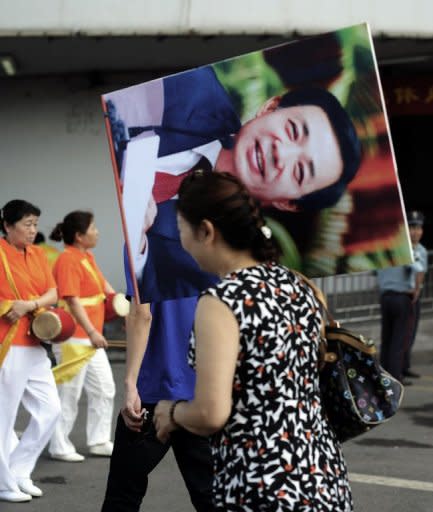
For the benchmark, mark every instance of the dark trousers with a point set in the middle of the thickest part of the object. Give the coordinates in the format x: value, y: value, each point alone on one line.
x: 408, y: 352
x: 397, y: 322
x: 135, y: 455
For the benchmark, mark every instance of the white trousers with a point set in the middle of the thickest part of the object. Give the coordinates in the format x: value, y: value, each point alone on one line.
x: 25, y: 377
x: 97, y: 380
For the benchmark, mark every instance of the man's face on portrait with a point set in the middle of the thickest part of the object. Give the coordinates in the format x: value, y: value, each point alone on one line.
x: 287, y: 153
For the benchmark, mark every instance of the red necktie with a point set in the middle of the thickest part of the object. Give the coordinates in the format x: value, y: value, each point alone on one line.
x: 167, y: 185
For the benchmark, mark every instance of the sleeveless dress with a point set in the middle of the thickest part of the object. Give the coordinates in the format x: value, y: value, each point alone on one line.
x: 277, y: 451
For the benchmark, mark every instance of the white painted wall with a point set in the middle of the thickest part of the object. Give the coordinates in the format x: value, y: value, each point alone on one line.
x: 41, y: 17
x: 54, y: 153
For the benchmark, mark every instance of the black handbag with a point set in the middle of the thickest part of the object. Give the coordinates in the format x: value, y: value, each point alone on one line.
x: 357, y: 393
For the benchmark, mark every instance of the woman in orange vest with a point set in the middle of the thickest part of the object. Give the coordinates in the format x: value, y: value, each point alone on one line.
x: 82, y: 289
x: 26, y: 284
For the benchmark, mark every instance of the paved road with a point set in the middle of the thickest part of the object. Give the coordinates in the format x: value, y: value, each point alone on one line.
x: 391, y: 467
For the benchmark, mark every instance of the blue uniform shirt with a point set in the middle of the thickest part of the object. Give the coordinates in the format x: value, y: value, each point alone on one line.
x: 420, y: 254
x: 398, y: 279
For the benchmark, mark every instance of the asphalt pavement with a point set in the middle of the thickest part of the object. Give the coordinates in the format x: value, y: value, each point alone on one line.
x: 390, y: 467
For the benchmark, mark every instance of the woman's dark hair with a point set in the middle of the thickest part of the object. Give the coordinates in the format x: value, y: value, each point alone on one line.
x: 15, y: 210
x: 223, y: 200
x: 75, y: 222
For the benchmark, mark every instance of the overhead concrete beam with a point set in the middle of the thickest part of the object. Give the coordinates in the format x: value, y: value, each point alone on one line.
x: 213, y: 17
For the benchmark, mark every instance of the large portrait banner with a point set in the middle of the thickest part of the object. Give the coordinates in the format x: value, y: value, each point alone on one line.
x: 303, y: 125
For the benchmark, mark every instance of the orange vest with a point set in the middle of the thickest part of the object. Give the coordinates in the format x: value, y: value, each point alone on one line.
x: 32, y: 276
x: 75, y: 280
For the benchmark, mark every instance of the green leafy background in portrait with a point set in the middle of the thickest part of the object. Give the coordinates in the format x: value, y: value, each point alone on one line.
x: 366, y: 229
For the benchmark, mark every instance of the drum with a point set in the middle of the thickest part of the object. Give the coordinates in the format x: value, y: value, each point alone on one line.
x: 116, y: 306
x: 53, y: 324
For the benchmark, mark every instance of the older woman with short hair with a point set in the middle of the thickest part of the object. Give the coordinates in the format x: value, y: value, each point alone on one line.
x: 26, y: 284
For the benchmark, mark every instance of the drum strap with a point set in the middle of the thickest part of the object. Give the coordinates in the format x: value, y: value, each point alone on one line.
x: 4, y: 308
x: 86, y: 264
x: 94, y: 300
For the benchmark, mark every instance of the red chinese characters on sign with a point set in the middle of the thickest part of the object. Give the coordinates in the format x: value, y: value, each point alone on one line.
x: 409, y: 95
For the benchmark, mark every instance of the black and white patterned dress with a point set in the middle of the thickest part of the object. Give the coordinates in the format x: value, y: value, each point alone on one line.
x: 276, y: 451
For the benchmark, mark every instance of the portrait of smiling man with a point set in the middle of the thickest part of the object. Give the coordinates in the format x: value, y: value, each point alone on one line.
x: 298, y: 153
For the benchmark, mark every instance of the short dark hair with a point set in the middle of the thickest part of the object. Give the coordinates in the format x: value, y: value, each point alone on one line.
x: 224, y: 200
x: 77, y: 221
x: 348, y: 141
x: 15, y: 210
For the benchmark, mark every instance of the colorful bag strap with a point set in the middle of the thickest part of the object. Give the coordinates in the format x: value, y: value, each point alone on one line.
x: 331, y: 329
x: 326, y: 319
x: 320, y: 296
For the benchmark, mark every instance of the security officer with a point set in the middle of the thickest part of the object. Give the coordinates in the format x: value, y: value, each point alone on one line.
x: 400, y: 288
